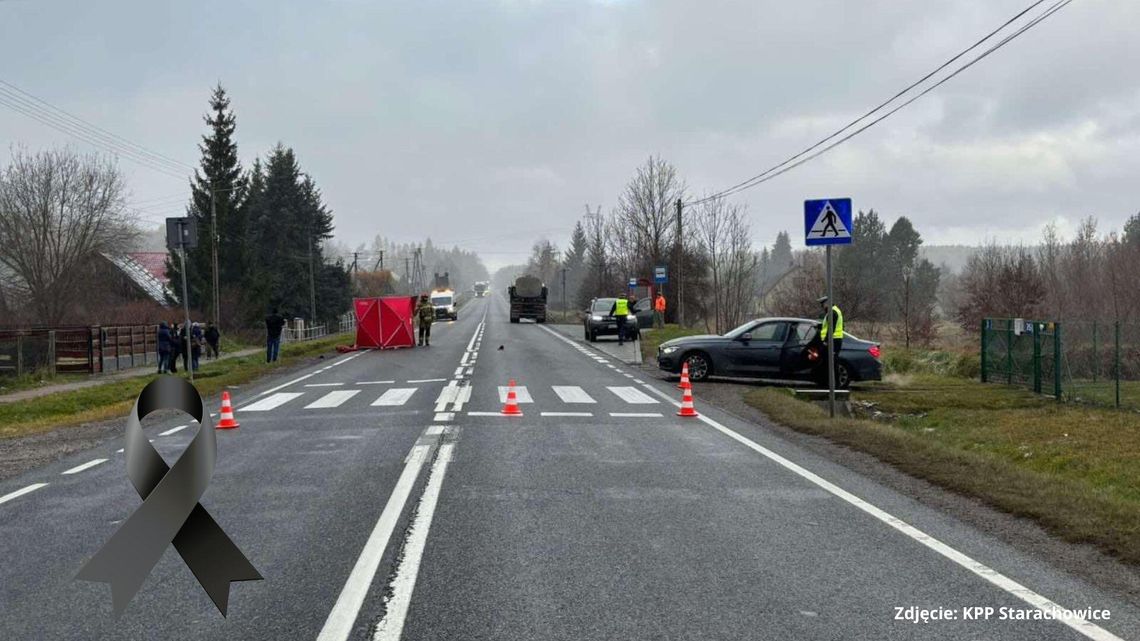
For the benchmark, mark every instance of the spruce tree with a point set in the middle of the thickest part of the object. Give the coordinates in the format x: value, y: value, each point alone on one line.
x: 219, y: 178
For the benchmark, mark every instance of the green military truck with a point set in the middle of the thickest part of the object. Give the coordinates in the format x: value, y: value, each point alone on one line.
x: 528, y: 299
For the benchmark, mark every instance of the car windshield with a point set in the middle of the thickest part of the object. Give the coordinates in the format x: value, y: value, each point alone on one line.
x: 743, y: 329
x: 603, y: 305
x: 440, y: 301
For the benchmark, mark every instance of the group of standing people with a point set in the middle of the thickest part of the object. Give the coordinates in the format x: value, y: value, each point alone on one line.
x: 175, y: 341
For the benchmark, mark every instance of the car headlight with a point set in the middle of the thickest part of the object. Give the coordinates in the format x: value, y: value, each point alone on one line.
x: 596, y: 318
x: 669, y: 350
x: 631, y: 317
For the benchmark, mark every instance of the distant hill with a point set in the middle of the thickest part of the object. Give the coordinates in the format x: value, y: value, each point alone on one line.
x: 953, y: 256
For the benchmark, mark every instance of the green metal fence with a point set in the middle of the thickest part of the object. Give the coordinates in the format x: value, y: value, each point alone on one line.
x: 1022, y: 352
x: 1095, y: 362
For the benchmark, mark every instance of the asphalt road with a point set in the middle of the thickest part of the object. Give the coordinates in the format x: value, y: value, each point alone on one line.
x: 383, y: 496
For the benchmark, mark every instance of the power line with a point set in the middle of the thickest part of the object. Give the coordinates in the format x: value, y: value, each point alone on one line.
x: 112, y: 138
x: 45, y: 113
x: 799, y: 158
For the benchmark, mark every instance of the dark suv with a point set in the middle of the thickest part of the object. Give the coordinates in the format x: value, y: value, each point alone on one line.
x: 598, y: 321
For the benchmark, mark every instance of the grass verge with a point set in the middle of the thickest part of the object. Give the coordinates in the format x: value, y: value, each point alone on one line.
x: 1075, y: 470
x: 115, y: 398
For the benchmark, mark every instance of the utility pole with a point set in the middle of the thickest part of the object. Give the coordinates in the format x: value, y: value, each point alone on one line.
x: 680, y: 267
x: 563, y: 290
x: 408, y: 274
x: 312, y: 285
x: 214, y: 250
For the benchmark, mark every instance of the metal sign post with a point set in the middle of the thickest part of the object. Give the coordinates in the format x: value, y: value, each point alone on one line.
x: 828, y: 222
x: 182, y: 234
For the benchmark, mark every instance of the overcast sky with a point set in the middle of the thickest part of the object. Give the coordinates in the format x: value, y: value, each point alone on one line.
x: 488, y: 124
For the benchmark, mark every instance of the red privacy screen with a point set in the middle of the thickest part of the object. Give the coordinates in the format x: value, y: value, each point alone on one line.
x: 384, y: 322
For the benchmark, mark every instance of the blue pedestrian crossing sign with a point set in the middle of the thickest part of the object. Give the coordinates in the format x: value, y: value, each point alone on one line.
x: 827, y: 221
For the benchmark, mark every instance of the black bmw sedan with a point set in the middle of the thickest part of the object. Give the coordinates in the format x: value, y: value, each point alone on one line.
x: 771, y: 348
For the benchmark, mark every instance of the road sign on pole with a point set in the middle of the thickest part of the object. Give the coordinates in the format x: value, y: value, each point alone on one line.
x: 660, y: 275
x: 632, y: 283
x: 828, y: 222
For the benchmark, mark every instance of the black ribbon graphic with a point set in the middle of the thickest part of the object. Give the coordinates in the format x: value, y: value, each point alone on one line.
x: 170, y: 512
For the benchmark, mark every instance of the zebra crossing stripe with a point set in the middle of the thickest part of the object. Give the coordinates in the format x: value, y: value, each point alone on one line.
x: 271, y: 402
x: 633, y: 396
x: 572, y: 394
x: 332, y: 399
x: 521, y: 394
x: 395, y: 396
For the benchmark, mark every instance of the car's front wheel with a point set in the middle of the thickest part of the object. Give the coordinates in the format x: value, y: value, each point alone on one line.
x: 700, y: 366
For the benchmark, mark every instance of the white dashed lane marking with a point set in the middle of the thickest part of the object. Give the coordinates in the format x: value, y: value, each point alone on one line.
x: 567, y: 414
x: 173, y: 430
x: 86, y: 466
x: 636, y: 414
x: 20, y: 492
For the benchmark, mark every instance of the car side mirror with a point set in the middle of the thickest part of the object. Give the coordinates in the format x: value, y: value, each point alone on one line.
x: 746, y: 337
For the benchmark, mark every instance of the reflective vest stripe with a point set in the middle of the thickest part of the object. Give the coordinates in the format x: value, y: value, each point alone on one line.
x: 838, y: 333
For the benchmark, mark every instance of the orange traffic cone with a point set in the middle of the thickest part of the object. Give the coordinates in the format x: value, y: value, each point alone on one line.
x: 685, y: 384
x: 226, y: 420
x: 687, y: 405
x: 512, y: 406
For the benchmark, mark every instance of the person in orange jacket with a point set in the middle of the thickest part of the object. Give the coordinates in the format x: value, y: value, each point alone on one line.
x: 659, y: 311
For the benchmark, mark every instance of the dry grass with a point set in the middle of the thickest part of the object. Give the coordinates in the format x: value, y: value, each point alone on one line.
x: 1073, y: 469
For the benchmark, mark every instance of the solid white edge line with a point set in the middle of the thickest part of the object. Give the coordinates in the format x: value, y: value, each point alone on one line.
x: 428, y: 380
x: 391, y: 627
x: 323, y: 384
x: 85, y: 466
x: 20, y: 492
x: 485, y: 414
x: 342, y: 617
x: 1083, y: 626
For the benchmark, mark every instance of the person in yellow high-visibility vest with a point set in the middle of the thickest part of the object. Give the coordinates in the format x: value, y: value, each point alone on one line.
x: 620, y: 310
x: 832, y: 322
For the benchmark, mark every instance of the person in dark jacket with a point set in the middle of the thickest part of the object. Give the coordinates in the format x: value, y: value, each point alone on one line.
x: 164, y: 347
x: 274, y: 323
x: 213, y: 336
x: 196, y: 340
x: 176, y: 347
x: 184, y: 346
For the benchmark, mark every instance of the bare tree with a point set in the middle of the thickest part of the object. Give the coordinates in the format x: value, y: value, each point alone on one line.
x: 796, y: 293
x: 999, y: 281
x: 643, y: 227
x: 725, y: 238
x: 58, y: 211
